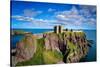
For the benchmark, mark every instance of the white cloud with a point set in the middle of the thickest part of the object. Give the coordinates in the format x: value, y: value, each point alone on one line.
x: 68, y: 17
x: 22, y: 18
x: 74, y: 16
x: 31, y: 12
x: 34, y: 21
x: 51, y: 10
x: 74, y: 11
x: 88, y: 11
x: 92, y: 21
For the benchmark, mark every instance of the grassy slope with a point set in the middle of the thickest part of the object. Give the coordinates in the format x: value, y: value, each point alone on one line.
x: 37, y: 58
x: 43, y: 56
x: 52, y: 57
x: 73, y: 47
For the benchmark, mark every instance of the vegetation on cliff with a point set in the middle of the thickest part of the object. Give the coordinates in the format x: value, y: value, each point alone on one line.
x: 52, y: 48
x: 42, y: 56
x: 19, y: 32
x: 38, y: 55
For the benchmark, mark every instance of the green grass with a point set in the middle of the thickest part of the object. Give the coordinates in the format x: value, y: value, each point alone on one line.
x: 37, y: 59
x: 43, y: 56
x: 19, y: 32
x: 72, y: 47
x: 52, y: 57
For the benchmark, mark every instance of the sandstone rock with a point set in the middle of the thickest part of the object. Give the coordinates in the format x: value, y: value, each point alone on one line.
x: 71, y: 45
x: 26, y: 48
x: 51, y: 42
x: 78, y: 44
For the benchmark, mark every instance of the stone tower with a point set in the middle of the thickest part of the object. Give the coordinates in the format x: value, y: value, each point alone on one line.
x: 58, y: 29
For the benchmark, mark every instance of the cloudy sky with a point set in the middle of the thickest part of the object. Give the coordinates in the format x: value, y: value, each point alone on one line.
x: 46, y: 15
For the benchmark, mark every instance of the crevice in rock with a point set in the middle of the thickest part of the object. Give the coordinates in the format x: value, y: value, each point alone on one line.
x: 65, y: 56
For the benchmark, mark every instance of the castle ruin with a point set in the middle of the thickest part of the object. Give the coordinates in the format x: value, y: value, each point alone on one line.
x: 58, y: 29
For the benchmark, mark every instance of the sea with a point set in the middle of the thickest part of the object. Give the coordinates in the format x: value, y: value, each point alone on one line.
x: 90, y: 34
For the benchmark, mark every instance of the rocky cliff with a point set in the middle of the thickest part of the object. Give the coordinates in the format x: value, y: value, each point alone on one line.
x: 51, y: 48
x: 72, y: 45
x: 26, y: 48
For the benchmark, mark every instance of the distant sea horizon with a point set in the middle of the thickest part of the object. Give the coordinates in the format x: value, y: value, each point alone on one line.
x: 53, y: 28
x: 41, y: 30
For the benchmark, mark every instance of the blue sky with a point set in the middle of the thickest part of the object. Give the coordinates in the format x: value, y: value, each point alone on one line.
x: 47, y: 15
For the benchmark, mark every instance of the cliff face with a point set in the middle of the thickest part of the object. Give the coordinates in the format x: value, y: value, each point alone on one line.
x: 51, y: 41
x: 26, y: 48
x: 72, y: 45
x: 66, y: 47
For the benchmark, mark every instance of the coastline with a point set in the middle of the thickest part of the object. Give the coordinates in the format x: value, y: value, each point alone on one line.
x: 47, y: 34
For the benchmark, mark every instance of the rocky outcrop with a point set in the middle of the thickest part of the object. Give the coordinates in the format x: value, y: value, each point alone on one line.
x: 51, y: 41
x: 73, y: 45
x: 26, y: 48
x: 66, y: 47
x: 19, y: 32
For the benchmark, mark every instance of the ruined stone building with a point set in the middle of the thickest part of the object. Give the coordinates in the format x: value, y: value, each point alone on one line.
x: 58, y: 29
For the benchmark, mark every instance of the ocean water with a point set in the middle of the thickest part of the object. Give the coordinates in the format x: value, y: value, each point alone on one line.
x: 90, y: 34
x: 15, y: 39
x: 91, y: 56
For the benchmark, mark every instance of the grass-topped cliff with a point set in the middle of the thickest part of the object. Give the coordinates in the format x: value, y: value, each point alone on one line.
x: 52, y: 48
x: 19, y: 32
